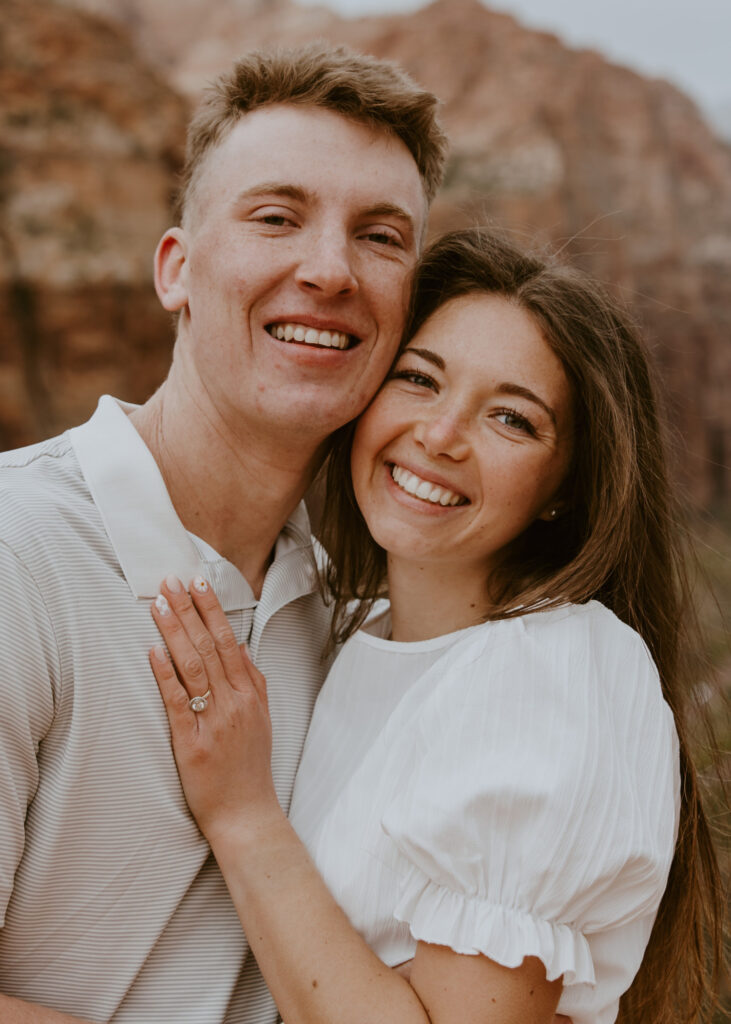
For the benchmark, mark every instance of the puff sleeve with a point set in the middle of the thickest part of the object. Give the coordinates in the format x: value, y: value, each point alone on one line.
x: 539, y: 793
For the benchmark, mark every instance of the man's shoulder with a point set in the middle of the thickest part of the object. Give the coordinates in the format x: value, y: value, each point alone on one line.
x: 38, y: 484
x: 20, y: 464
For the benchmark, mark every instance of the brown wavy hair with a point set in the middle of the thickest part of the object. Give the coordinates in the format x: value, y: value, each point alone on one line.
x: 619, y: 541
x: 362, y: 88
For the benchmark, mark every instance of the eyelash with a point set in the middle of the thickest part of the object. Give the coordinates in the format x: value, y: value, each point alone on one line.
x: 525, y: 424
x: 389, y: 238
x: 414, y: 377
x: 269, y: 217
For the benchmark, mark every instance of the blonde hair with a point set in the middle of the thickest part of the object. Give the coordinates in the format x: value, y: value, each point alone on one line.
x: 374, y: 92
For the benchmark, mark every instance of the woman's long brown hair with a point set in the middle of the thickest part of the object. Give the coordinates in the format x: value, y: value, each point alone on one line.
x: 620, y: 541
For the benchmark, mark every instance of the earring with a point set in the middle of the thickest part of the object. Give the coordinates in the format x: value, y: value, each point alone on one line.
x: 553, y: 513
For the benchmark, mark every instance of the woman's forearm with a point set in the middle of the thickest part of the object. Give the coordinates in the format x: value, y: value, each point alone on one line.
x: 317, y: 966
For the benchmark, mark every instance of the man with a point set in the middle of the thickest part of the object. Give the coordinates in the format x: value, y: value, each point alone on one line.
x: 304, y: 203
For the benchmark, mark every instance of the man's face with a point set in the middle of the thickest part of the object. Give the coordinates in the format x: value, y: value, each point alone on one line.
x: 292, y: 269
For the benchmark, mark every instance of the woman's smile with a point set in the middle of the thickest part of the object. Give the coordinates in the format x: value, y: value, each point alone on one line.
x: 423, y: 488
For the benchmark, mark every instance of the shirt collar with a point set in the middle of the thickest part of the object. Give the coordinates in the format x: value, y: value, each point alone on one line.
x: 148, y: 537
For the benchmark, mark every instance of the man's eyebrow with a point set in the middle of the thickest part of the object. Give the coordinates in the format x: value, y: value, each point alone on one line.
x: 390, y: 210
x: 426, y: 353
x: 274, y: 188
x: 509, y: 388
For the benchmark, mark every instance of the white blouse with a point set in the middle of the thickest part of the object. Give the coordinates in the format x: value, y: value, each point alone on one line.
x: 511, y: 789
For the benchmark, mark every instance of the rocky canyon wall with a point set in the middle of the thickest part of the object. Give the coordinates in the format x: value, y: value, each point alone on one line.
x: 557, y: 145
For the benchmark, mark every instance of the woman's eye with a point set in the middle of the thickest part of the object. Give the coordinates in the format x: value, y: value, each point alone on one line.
x: 414, y: 377
x: 515, y: 421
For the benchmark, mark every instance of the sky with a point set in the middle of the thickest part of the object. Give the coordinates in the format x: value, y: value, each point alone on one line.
x: 687, y: 41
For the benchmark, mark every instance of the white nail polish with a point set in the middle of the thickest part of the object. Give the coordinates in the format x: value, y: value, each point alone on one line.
x: 162, y: 605
x: 201, y: 585
x: 173, y: 584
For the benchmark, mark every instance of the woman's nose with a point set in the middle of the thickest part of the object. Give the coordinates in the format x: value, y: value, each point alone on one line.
x: 326, y: 267
x: 442, y: 432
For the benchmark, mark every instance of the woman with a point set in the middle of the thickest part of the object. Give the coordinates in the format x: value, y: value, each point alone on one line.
x: 496, y: 771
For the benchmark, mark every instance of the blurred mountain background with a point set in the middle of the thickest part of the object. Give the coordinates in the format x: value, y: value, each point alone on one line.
x: 559, y: 145
x: 556, y: 144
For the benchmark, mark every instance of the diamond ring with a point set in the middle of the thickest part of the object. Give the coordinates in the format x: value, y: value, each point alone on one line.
x: 199, y: 703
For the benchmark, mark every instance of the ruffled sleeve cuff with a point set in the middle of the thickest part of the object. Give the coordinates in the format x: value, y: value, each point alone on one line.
x: 471, y: 925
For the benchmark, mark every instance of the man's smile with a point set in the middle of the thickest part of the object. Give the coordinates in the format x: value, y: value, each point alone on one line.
x: 303, y: 334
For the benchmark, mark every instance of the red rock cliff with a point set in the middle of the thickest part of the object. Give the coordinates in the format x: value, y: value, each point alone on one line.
x: 90, y: 144
x: 556, y: 144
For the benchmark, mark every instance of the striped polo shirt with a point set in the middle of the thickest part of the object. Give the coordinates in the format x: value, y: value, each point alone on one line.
x: 111, y: 905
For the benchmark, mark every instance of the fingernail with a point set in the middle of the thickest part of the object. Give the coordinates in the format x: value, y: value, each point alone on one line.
x: 200, y: 584
x: 159, y: 652
x: 173, y: 584
x: 162, y: 605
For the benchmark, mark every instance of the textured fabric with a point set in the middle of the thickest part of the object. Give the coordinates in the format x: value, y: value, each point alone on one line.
x: 511, y: 789
x: 111, y: 906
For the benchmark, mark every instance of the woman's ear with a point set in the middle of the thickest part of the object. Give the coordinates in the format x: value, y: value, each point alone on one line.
x: 170, y: 270
x: 553, y: 511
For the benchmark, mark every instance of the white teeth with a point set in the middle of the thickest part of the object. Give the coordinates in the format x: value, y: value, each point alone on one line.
x: 413, y: 484
x: 309, y: 335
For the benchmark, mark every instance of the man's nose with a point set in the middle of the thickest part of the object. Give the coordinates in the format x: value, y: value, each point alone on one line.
x: 442, y: 432
x: 327, y: 267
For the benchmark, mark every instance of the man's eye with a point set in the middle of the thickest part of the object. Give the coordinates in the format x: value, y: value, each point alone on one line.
x: 276, y: 219
x: 383, y: 238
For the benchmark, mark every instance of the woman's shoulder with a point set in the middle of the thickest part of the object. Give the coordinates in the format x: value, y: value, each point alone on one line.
x: 567, y: 652
x: 567, y: 628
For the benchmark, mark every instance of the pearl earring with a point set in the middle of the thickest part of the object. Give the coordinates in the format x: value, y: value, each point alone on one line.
x: 553, y: 513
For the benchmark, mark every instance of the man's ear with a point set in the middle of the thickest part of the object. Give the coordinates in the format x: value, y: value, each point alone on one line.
x: 170, y: 270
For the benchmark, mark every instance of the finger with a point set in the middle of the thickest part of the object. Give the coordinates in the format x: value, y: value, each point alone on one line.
x: 174, y: 695
x: 190, y: 666
x: 195, y: 627
x: 238, y: 671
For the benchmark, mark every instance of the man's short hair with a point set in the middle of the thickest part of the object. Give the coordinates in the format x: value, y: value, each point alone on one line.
x: 362, y: 88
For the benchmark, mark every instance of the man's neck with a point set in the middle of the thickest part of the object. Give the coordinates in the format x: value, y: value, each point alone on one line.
x: 230, y: 484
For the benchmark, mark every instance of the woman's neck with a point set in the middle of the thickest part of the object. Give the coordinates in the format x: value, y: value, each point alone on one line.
x: 429, y: 600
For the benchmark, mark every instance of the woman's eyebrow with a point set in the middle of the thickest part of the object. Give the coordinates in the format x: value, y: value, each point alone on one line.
x: 425, y: 353
x: 508, y: 388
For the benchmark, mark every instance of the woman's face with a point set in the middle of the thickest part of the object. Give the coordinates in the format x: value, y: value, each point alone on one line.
x: 468, y: 441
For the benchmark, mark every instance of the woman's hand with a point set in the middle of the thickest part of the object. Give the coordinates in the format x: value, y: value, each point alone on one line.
x: 223, y: 752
